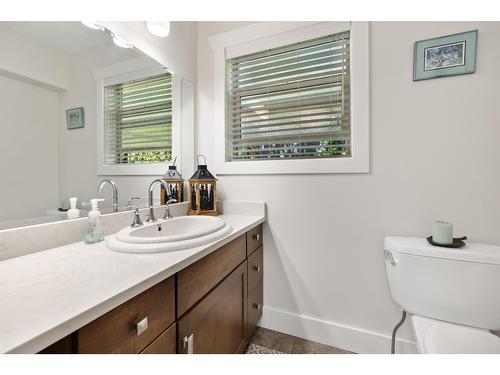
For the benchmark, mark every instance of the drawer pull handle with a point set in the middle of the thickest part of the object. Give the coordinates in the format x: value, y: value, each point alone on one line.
x: 257, y: 268
x: 142, y: 326
x: 257, y: 306
x: 188, y: 343
x: 257, y: 236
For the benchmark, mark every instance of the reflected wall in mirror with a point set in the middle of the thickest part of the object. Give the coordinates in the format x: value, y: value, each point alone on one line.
x: 135, y: 114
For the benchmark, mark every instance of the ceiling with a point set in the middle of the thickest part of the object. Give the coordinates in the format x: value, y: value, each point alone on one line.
x: 65, y: 37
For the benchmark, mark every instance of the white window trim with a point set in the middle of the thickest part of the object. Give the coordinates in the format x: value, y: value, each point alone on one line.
x: 123, y: 72
x: 265, y: 35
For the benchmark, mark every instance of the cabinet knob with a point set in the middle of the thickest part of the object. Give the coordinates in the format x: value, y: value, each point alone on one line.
x: 188, y: 343
x: 257, y: 306
x: 142, y: 326
x: 257, y: 268
x: 257, y: 236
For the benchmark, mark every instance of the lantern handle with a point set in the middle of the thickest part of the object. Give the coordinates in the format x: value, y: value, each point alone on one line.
x: 175, y: 159
x: 198, y: 159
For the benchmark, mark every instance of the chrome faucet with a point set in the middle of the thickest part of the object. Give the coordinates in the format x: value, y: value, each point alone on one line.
x: 137, y: 216
x: 115, y: 192
x: 151, y: 217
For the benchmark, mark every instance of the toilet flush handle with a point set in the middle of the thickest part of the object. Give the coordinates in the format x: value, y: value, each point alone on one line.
x: 390, y: 258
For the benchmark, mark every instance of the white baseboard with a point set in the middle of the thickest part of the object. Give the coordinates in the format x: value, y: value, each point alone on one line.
x: 329, y: 333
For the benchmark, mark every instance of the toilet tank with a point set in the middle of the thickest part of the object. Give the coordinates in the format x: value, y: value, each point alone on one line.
x: 456, y: 285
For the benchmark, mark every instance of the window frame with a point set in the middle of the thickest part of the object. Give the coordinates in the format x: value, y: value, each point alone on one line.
x: 124, y: 72
x: 264, y: 35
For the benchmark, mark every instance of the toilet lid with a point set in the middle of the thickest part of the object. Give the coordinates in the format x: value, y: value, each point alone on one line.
x: 436, y: 336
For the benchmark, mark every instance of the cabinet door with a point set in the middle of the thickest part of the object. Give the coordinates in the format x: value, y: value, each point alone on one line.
x: 198, y: 279
x: 164, y: 344
x: 218, y: 323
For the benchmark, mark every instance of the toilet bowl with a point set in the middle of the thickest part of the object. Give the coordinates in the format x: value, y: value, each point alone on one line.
x: 438, y: 337
x: 452, y: 294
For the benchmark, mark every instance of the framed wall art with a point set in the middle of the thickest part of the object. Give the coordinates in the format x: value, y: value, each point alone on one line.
x: 74, y: 118
x: 445, y: 56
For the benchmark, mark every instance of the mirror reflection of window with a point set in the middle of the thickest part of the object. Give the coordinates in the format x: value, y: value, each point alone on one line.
x: 138, y: 121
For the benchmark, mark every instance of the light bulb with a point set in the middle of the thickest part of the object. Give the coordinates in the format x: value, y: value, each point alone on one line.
x: 93, y: 25
x: 121, y: 42
x: 161, y: 29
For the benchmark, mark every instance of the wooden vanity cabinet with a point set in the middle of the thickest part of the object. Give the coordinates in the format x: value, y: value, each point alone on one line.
x: 217, y: 324
x: 211, y: 306
x: 254, y: 239
x: 166, y: 343
x: 255, y: 288
x: 132, y: 326
x: 199, y: 278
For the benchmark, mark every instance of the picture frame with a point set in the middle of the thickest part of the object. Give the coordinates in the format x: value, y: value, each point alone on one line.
x: 75, y: 118
x: 445, y: 56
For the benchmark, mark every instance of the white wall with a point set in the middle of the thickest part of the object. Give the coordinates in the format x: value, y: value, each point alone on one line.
x: 28, y: 149
x: 23, y: 58
x: 435, y: 147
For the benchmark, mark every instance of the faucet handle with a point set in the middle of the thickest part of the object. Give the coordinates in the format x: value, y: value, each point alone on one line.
x: 137, y: 215
x: 129, y: 204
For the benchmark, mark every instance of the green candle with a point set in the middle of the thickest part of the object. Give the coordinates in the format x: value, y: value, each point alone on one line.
x: 442, y: 232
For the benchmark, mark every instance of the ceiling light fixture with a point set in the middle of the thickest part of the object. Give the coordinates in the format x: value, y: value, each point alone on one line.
x: 161, y: 29
x: 120, y: 42
x: 93, y: 25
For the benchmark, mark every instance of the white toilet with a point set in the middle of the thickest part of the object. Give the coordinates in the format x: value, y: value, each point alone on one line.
x: 452, y: 294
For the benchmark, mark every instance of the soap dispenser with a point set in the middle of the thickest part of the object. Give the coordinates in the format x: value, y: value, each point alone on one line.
x: 73, y: 212
x: 94, y: 233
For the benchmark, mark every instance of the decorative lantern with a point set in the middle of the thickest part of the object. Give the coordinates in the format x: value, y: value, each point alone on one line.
x: 202, y: 192
x: 175, y: 182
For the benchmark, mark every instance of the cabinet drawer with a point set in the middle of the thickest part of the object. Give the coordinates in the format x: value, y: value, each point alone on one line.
x: 255, y: 302
x: 217, y: 324
x: 254, y: 239
x: 118, y: 330
x: 255, y: 269
x: 199, y: 278
x: 165, y: 344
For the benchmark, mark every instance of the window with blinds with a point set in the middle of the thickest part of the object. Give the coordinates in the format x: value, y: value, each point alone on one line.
x: 290, y: 102
x: 138, y: 121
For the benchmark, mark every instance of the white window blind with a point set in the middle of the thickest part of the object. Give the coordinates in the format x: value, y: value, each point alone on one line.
x: 290, y: 102
x: 138, y: 121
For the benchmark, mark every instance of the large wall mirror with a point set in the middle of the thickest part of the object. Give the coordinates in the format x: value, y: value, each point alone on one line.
x: 77, y: 108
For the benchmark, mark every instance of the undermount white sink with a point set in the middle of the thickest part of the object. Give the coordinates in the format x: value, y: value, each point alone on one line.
x: 178, y: 233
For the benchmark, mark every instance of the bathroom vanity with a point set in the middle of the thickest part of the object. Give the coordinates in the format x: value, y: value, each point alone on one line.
x: 88, y: 299
x: 211, y: 306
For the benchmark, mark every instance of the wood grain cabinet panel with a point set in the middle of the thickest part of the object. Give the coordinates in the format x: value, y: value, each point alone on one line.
x: 218, y: 323
x: 255, y: 269
x: 165, y: 343
x: 118, y: 332
x: 254, y: 239
x: 199, y: 278
x: 255, y: 302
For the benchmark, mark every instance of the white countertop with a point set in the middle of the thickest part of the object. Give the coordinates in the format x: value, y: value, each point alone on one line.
x: 47, y: 295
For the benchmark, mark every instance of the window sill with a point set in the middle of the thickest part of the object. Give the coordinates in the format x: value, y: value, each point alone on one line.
x: 155, y: 169
x: 358, y: 164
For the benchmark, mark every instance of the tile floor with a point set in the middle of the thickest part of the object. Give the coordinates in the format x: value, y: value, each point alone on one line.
x: 266, y: 341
